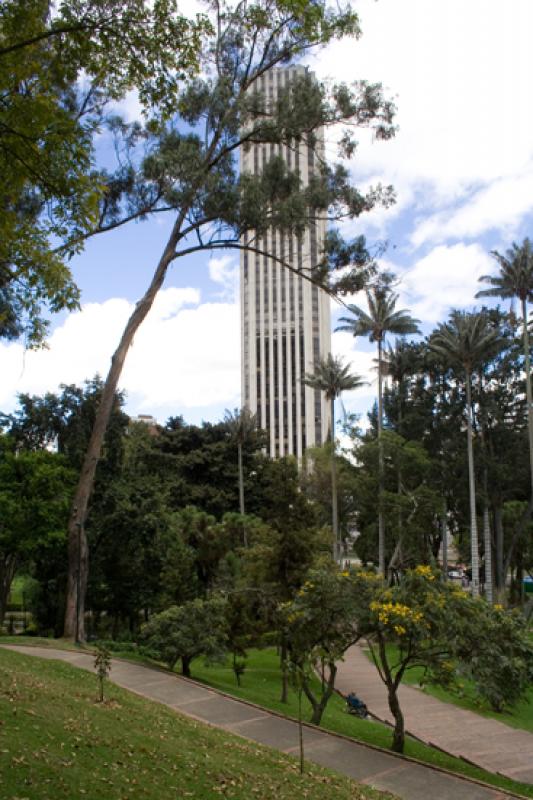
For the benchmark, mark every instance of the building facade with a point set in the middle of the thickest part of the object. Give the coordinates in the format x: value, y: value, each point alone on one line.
x: 285, y: 320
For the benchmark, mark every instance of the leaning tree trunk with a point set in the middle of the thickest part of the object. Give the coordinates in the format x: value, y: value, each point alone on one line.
x: 472, y: 490
x: 529, y: 397
x: 381, y: 520
x: 78, y: 552
x: 334, y: 500
x: 392, y: 683
x: 319, y: 706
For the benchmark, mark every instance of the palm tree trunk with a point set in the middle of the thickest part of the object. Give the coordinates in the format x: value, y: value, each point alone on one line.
x: 498, y: 535
x: 78, y: 551
x: 381, y: 521
x: 529, y: 397
x: 334, y: 502
x: 444, y: 528
x: 472, y: 489
x: 487, y: 541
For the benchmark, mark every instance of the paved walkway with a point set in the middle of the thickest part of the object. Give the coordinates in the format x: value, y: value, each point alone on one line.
x: 483, y: 741
x: 373, y: 767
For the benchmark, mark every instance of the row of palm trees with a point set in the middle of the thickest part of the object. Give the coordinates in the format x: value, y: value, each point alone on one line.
x: 464, y: 343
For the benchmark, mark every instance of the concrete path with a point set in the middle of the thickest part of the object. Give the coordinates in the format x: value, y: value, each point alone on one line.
x: 483, y: 741
x: 404, y: 778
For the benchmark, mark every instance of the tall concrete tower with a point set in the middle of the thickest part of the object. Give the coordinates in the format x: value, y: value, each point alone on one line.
x: 285, y: 320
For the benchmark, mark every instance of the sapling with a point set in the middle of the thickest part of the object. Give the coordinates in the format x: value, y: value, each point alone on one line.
x: 102, y: 665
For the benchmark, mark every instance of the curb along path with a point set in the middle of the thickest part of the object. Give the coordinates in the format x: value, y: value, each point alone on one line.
x: 483, y: 741
x: 406, y: 779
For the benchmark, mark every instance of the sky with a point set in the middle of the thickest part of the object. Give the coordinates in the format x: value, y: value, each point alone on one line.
x: 461, y: 75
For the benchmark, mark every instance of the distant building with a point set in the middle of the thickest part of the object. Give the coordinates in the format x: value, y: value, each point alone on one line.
x: 148, y: 420
x: 285, y: 320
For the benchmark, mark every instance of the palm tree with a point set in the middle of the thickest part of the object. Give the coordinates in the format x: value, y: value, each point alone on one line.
x: 516, y: 280
x: 465, y: 342
x: 400, y: 362
x: 381, y: 319
x: 333, y: 377
x: 241, y: 424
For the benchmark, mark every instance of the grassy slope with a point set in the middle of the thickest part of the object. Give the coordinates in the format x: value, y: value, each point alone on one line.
x: 261, y: 685
x: 521, y: 715
x: 57, y: 741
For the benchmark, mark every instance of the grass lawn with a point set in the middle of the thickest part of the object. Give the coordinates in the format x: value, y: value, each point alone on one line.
x: 261, y: 685
x: 521, y: 716
x: 17, y: 589
x: 56, y: 741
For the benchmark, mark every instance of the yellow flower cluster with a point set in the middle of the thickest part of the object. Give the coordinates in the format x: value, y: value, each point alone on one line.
x: 373, y: 576
x: 425, y: 572
x: 396, y: 614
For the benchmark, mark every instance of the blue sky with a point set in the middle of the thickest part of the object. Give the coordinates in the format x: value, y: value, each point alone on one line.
x: 462, y: 165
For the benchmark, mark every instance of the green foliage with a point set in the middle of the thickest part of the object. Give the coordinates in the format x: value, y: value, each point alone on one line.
x: 501, y: 662
x: 35, y: 491
x: 382, y: 317
x: 442, y: 628
x: 319, y: 625
x: 466, y: 340
x: 57, y: 74
x: 197, y: 628
x: 315, y: 478
x: 411, y: 501
x: 516, y: 273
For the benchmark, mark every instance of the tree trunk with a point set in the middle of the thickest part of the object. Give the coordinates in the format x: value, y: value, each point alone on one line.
x: 319, y: 706
x: 392, y: 683
x: 487, y: 543
x: 529, y: 397
x: 8, y: 565
x: 186, y: 666
x: 300, y: 731
x: 78, y: 553
x: 381, y: 520
x: 334, y: 503
x: 398, y: 737
x: 498, y: 532
x: 472, y: 490
x: 400, y: 483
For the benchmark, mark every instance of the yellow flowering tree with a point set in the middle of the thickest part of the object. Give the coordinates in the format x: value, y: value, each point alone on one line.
x: 446, y: 631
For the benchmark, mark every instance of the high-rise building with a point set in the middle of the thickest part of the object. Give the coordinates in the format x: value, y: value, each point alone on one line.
x: 285, y: 320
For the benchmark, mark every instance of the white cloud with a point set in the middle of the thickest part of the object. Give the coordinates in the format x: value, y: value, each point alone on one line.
x: 224, y: 270
x: 461, y: 74
x: 130, y: 107
x: 501, y: 205
x: 445, y: 278
x: 185, y: 355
